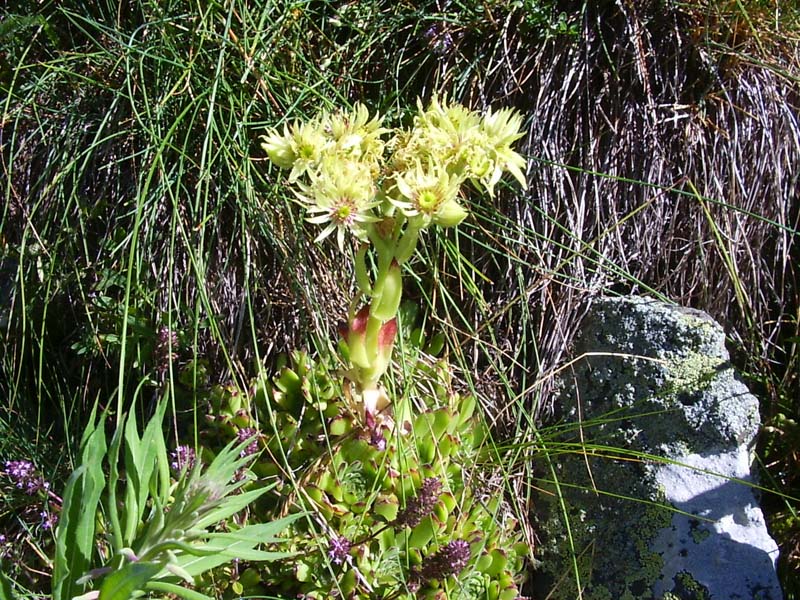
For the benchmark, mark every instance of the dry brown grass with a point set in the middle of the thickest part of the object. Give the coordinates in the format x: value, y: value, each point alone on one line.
x: 657, y: 167
x: 665, y: 150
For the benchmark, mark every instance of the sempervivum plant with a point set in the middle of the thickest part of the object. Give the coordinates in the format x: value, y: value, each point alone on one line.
x: 393, y: 493
x: 386, y: 194
x: 398, y: 512
x: 273, y: 410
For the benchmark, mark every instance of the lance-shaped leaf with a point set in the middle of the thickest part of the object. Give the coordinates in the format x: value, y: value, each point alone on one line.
x: 75, y: 535
x: 237, y: 544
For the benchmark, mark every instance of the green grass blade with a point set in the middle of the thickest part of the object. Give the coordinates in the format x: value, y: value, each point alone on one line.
x: 5, y: 586
x: 259, y: 533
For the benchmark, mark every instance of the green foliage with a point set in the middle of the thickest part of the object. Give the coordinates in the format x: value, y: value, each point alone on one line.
x: 5, y: 585
x: 75, y: 538
x: 128, y: 131
x: 157, y: 528
x: 359, y: 475
x: 544, y: 19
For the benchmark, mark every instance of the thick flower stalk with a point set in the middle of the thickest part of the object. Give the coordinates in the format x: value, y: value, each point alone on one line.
x: 385, y: 194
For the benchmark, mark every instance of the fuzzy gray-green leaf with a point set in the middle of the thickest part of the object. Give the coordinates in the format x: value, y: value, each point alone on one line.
x: 122, y: 583
x: 239, y: 544
x: 230, y: 506
x: 140, y: 463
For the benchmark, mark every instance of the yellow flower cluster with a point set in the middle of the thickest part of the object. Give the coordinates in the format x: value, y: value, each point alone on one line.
x: 469, y: 145
x: 341, y: 155
x: 346, y: 185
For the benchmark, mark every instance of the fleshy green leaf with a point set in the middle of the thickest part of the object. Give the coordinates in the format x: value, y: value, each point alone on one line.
x: 465, y: 411
x: 422, y: 533
x: 112, y: 509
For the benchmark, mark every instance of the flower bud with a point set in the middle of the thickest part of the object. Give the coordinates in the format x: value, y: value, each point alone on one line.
x: 383, y: 358
x: 450, y: 560
x: 356, y: 338
x: 422, y: 505
x: 450, y: 214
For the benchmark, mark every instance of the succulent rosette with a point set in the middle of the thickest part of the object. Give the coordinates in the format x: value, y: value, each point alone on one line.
x: 394, y: 516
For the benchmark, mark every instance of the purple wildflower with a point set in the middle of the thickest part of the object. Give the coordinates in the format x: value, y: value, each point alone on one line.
x: 420, y: 507
x: 377, y: 440
x: 183, y: 457
x: 246, y: 433
x: 165, y: 346
x: 48, y: 520
x: 23, y: 474
x: 439, y: 39
x: 339, y: 549
x: 450, y: 560
x: 20, y: 471
x: 375, y: 430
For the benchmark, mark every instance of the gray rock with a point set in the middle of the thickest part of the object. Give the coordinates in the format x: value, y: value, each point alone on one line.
x: 650, y: 471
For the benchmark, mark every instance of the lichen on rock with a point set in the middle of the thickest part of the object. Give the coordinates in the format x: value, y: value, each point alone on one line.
x: 650, y: 412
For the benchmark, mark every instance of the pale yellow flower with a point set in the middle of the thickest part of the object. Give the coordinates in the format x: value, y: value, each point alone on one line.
x: 356, y: 136
x: 447, y: 134
x: 340, y: 195
x: 300, y: 147
x: 429, y: 196
x: 501, y: 129
x: 279, y: 148
x: 455, y: 120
